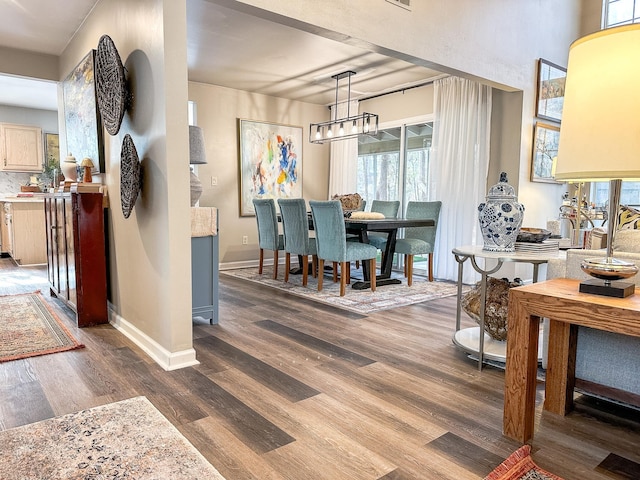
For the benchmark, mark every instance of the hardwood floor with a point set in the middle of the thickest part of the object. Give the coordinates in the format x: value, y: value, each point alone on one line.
x: 290, y: 389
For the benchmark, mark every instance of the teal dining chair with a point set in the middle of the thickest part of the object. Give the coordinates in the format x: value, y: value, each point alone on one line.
x: 419, y: 240
x: 268, y: 236
x: 295, y: 226
x: 390, y: 210
x: 332, y: 245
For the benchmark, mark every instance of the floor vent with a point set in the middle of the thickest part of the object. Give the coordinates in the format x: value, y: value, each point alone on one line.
x: 406, y: 4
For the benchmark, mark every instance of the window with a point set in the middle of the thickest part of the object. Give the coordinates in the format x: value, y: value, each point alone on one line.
x: 629, y: 194
x: 620, y: 12
x: 394, y: 164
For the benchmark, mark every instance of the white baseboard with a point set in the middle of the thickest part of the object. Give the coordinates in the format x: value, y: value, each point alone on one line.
x: 254, y: 263
x: 166, y: 359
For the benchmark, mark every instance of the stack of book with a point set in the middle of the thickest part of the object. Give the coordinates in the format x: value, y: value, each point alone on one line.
x: 548, y: 246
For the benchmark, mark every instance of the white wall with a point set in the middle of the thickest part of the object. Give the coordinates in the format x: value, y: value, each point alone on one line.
x: 219, y: 109
x: 150, y: 252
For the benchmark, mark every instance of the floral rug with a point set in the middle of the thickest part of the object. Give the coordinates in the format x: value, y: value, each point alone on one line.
x: 123, y: 440
x: 520, y: 466
x: 358, y: 301
x: 29, y: 328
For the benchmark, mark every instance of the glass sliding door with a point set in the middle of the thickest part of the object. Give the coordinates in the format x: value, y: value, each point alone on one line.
x: 395, y: 165
x: 379, y: 165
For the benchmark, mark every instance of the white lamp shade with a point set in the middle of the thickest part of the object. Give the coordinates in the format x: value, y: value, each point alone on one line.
x: 600, y: 131
x: 196, y: 146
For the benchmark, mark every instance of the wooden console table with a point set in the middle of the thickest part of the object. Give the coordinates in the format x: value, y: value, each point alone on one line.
x: 561, y: 302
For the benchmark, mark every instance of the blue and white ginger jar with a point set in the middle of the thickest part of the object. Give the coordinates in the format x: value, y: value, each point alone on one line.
x: 500, y: 217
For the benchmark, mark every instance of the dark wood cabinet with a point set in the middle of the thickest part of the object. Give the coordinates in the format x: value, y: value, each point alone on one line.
x: 76, y: 253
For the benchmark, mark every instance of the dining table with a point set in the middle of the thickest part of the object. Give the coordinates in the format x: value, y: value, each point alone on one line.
x: 390, y: 226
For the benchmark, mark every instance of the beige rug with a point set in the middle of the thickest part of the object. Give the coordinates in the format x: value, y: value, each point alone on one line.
x: 358, y: 301
x: 123, y: 440
x: 29, y: 328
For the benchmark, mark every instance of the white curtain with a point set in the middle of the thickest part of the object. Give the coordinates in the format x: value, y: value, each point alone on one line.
x: 460, y: 153
x: 343, y: 163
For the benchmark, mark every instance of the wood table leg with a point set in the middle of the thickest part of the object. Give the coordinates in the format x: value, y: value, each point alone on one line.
x: 521, y: 372
x: 561, y: 367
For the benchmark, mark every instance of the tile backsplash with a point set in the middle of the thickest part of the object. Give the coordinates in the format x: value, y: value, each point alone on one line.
x: 10, y: 182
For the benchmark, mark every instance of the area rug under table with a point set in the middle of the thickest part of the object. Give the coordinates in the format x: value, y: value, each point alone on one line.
x: 358, y: 301
x: 123, y: 440
x: 29, y: 328
x: 520, y: 466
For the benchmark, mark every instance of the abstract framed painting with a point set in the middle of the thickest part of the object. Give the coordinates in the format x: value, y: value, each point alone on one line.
x: 545, y: 150
x: 83, y: 125
x: 270, y: 162
x: 550, y: 91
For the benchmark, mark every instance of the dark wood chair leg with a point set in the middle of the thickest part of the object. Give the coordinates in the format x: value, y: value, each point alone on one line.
x: 335, y: 272
x: 320, y: 275
x: 343, y: 277
x: 261, y: 261
x: 409, y: 270
x: 348, y: 273
x: 275, y: 264
x: 287, y: 266
x: 431, y: 267
x: 373, y: 274
x: 305, y: 270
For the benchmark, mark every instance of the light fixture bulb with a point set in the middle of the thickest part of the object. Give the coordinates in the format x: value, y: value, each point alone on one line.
x: 329, y: 132
x: 365, y: 126
x: 318, y: 134
x: 354, y: 127
x: 341, y: 130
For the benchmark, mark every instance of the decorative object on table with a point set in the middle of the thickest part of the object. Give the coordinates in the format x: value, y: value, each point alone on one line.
x: 520, y: 466
x: 126, y: 439
x: 130, y: 175
x: 270, y: 162
x: 83, y: 125
x: 533, y: 235
x: 358, y: 215
x: 500, y: 217
x: 197, y: 156
x: 87, y: 166
x: 351, y: 202
x: 111, y: 87
x: 70, y: 168
x: 603, y: 107
x: 550, y: 92
x: 496, y: 307
x: 545, y: 150
x: 345, y: 127
x: 28, y: 328
x: 547, y: 246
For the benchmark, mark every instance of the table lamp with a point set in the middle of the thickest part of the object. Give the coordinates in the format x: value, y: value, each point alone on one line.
x: 600, y: 135
x: 196, y: 157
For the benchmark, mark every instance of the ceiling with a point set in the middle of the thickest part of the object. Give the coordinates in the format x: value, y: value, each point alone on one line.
x: 224, y: 47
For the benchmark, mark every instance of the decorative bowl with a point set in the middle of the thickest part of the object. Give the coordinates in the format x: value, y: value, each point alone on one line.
x: 533, y: 235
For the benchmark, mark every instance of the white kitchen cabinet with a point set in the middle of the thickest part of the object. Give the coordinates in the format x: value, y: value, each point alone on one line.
x: 26, y: 229
x: 21, y: 148
x: 5, y: 238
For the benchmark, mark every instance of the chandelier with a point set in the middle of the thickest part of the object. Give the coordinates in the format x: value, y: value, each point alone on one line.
x: 343, y: 128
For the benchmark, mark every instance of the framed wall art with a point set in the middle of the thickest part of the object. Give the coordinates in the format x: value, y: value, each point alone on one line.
x: 51, y: 149
x: 82, y: 121
x: 550, y: 91
x: 545, y: 150
x: 270, y: 162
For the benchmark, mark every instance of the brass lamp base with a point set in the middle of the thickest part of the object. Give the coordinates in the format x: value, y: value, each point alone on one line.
x: 606, y: 272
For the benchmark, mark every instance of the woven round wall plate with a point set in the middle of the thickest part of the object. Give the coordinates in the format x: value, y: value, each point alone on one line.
x: 111, y: 87
x: 130, y: 175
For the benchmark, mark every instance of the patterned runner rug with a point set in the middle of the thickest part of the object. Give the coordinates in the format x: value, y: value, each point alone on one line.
x: 28, y: 328
x: 520, y: 466
x: 358, y: 301
x: 123, y: 440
